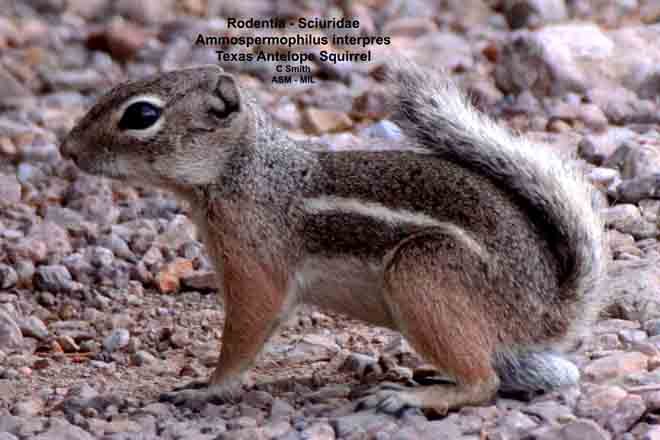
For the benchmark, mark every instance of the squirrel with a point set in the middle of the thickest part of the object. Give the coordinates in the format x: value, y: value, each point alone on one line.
x: 481, y: 248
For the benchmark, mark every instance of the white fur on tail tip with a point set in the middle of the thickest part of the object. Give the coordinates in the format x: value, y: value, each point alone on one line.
x: 535, y: 371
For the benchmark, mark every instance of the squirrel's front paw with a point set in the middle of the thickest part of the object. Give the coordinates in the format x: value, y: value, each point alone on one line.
x: 196, y: 395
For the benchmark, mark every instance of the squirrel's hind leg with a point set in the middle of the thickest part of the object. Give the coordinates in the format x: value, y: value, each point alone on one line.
x: 434, y: 289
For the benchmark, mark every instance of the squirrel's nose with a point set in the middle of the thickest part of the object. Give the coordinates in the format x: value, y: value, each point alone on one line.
x: 68, y: 149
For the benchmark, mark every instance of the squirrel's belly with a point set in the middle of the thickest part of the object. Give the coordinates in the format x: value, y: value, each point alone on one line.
x: 350, y: 286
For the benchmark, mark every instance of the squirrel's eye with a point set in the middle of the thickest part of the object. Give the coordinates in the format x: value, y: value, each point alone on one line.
x: 139, y: 115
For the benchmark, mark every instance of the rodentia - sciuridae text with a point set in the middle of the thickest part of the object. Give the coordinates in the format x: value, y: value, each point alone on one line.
x: 480, y: 247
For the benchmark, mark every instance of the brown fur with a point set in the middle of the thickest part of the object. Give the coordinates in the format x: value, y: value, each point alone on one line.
x: 434, y: 287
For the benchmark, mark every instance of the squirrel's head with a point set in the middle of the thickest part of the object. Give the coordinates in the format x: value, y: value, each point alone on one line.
x: 175, y: 129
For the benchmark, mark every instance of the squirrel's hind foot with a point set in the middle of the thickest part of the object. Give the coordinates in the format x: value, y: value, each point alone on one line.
x: 394, y: 398
x: 197, y: 394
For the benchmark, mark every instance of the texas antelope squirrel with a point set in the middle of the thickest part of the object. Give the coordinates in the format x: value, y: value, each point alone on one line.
x: 480, y: 247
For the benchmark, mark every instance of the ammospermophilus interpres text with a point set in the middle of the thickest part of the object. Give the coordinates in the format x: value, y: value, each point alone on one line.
x: 480, y: 247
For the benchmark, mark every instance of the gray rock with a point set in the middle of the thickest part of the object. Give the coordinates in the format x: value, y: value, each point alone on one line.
x: 549, y: 60
x: 331, y: 391
x: 632, y: 290
x: 517, y: 423
x: 384, y: 129
x: 84, y: 398
x: 31, y: 426
x: 65, y: 217
x: 446, y: 429
x: 628, y: 219
x: 550, y: 411
x: 593, y: 117
x: 359, y: 363
x: 619, y: 216
x: 157, y: 409
x: 53, y: 278
x: 146, y: 12
x: 614, y: 366
x: 598, y: 401
x: 12, y: 128
x: 635, y: 160
x: 514, y: 424
x: 603, y: 176
x: 458, y: 50
x: 278, y: 429
x: 200, y: 280
x: 28, y: 248
x: 100, y: 256
x: 40, y: 150
x: 596, y: 148
x: 8, y: 276
x: 99, y: 210
x: 10, y: 424
x: 650, y: 209
x: 241, y: 423
x: 28, y: 407
x: 281, y: 409
x: 60, y: 429
x: 623, y: 106
x: 575, y: 57
x: 412, y: 27
x: 117, y: 245
x: 88, y: 9
x: 119, y: 338
x: 10, y: 333
x: 634, y: 190
x: 25, y: 271
x: 33, y: 327
x: 53, y: 236
x: 363, y: 422
x: 79, y: 267
x: 78, y: 330
x: 648, y: 85
x: 82, y: 80
x: 10, y: 188
x: 68, y: 344
x: 652, y: 327
x: 12, y: 92
x: 653, y: 433
x: 318, y: 431
x: 313, y: 347
x: 179, y: 230
x: 142, y: 357
x: 630, y: 336
x: 578, y: 430
x: 628, y: 411
x: 28, y: 173
x: 187, y: 429
x: 258, y: 399
x: 534, y: 13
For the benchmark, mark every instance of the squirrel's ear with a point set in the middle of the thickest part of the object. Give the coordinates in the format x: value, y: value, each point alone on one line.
x: 229, y: 100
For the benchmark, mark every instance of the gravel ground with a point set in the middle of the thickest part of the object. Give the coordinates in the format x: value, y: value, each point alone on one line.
x: 106, y: 294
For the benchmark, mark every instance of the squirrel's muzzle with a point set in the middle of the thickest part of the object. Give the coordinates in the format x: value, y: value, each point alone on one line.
x: 69, y: 148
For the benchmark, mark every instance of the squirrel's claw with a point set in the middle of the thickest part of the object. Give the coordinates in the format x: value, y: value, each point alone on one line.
x: 388, y: 397
x: 196, y: 395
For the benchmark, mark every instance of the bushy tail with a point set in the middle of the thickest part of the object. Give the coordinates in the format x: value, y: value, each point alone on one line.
x: 432, y: 112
